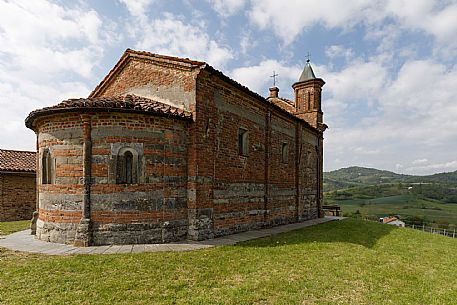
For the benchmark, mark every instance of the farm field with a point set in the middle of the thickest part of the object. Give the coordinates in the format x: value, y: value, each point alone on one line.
x: 403, y: 205
x: 371, y: 193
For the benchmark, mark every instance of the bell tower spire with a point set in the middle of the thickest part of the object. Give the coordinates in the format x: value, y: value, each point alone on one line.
x: 308, y: 97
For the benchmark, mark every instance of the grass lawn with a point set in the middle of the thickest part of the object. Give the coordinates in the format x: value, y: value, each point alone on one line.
x: 9, y: 227
x: 342, y: 262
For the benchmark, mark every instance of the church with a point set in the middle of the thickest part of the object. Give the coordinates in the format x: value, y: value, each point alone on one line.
x: 166, y: 149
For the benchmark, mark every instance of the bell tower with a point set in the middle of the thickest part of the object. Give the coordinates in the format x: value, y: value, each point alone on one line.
x: 308, y: 97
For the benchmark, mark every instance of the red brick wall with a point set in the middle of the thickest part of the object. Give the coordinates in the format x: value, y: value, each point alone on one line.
x: 251, y: 191
x: 17, y: 196
x: 160, y: 80
x: 160, y: 195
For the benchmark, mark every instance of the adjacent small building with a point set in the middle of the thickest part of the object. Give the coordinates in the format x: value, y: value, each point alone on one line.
x: 394, y: 221
x: 17, y: 184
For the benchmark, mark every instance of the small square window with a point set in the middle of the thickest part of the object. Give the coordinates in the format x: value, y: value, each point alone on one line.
x: 285, y: 153
x: 242, y: 142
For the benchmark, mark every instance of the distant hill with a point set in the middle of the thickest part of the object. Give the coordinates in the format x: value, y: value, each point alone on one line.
x: 375, y: 193
x: 356, y: 176
x: 359, y: 176
x: 449, y: 178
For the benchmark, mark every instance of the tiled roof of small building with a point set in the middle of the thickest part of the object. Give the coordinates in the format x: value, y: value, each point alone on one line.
x: 128, y: 103
x: 17, y: 161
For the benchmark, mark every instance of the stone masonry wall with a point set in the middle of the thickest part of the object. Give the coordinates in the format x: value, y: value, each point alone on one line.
x: 60, y: 202
x: 17, y: 196
x: 151, y: 210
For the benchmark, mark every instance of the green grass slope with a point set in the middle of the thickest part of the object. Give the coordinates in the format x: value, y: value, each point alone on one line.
x: 8, y: 227
x: 344, y: 262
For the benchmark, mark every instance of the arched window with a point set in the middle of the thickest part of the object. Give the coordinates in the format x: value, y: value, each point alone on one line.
x: 127, y: 167
x: 46, y: 167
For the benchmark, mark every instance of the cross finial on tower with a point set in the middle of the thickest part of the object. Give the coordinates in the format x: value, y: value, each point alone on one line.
x: 308, y: 56
x: 274, y: 78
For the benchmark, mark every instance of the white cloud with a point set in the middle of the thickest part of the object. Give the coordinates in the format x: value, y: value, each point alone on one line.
x: 48, y: 51
x: 335, y: 51
x: 411, y: 115
x: 170, y: 35
x: 42, y: 37
x: 419, y: 161
x: 258, y: 77
x: 227, y: 8
x: 289, y: 18
x: 137, y: 7
x: 449, y: 166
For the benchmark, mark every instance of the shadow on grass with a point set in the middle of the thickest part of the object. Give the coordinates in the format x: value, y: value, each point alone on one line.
x: 365, y: 233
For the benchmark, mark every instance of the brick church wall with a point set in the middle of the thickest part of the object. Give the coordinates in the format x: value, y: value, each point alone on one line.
x: 17, y: 196
x: 162, y: 81
x: 152, y: 210
x: 240, y: 192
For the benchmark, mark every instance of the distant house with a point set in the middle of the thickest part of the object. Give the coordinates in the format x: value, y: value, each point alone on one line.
x: 392, y: 221
x: 17, y: 184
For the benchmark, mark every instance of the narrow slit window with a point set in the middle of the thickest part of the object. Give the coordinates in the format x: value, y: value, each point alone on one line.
x: 243, y: 142
x: 128, y: 167
x: 46, y: 170
x: 285, y: 153
x: 309, y: 100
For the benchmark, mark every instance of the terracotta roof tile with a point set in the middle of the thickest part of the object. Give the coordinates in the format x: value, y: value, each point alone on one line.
x: 194, y: 63
x: 128, y: 103
x: 173, y: 58
x: 285, y: 104
x: 389, y: 219
x: 17, y: 161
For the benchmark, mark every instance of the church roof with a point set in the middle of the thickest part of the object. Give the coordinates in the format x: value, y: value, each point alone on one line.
x: 17, y: 161
x: 147, y: 55
x: 188, y: 63
x: 307, y: 73
x: 128, y: 103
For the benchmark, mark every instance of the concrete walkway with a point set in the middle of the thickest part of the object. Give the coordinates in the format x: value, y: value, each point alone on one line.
x: 23, y: 241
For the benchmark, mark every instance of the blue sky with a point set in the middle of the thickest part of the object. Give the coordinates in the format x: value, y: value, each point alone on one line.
x: 390, y: 66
